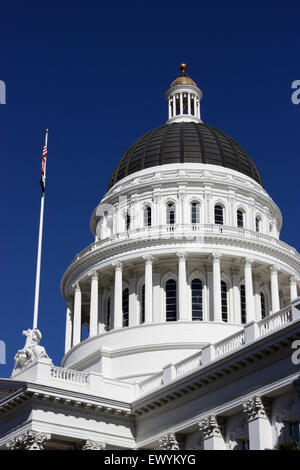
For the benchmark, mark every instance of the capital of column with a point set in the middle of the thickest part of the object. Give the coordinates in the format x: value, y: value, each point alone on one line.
x: 30, y: 440
x: 76, y: 286
x: 215, y: 257
x: 94, y: 275
x: 182, y: 255
x: 273, y: 269
x: 210, y: 427
x: 148, y: 259
x: 169, y: 442
x: 293, y: 280
x: 257, y: 407
x: 118, y: 265
x: 93, y: 445
x: 247, y: 261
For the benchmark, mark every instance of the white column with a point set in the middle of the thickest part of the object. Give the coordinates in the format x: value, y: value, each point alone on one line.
x: 174, y: 105
x: 133, y: 314
x: 274, y: 289
x: 189, y: 103
x: 69, y: 321
x: 236, y: 297
x: 260, y: 429
x: 181, y: 103
x: 170, y: 108
x: 182, y: 288
x: 77, y: 315
x: 148, y: 289
x: 211, y: 432
x: 101, y: 313
x: 94, y: 304
x: 249, y: 290
x: 215, y: 258
x: 257, y: 300
x: 156, y: 296
x: 293, y: 287
x: 118, y: 315
x: 210, y: 293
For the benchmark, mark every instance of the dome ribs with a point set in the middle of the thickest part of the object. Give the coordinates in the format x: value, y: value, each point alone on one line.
x: 185, y: 142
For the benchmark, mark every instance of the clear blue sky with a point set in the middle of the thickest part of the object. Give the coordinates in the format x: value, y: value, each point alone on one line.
x: 95, y: 73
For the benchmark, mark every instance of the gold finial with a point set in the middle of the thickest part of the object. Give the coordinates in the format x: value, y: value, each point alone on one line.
x: 183, y: 67
x: 47, y: 130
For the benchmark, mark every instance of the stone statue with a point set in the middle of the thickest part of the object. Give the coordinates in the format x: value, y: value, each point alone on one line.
x: 32, y: 351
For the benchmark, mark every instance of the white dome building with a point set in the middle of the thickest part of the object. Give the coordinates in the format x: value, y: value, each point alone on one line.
x: 189, y: 299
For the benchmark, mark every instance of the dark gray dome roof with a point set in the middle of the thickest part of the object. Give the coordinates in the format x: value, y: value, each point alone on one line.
x: 185, y: 142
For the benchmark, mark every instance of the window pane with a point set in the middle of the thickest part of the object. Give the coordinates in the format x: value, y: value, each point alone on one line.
x: 224, y: 301
x: 219, y: 215
x: 171, y: 214
x: 195, y: 211
x: 171, y: 300
x: 125, y: 307
x: 243, y: 304
x: 147, y: 216
x: 240, y: 219
x: 197, y: 312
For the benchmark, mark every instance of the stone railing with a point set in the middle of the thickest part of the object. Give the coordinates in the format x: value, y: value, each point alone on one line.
x: 275, y: 321
x: 151, y: 382
x: 69, y: 376
x: 229, y: 344
x: 187, y: 230
x: 189, y: 364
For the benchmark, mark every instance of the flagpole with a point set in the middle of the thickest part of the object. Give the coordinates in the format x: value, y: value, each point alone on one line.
x: 39, y: 253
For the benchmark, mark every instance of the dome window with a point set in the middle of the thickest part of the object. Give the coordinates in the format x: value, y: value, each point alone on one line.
x: 195, y: 213
x: 243, y: 304
x: 143, y: 305
x: 224, y: 301
x: 258, y: 224
x: 197, y: 310
x: 127, y: 221
x: 125, y: 307
x: 147, y: 216
x: 170, y: 214
x: 219, y: 215
x: 263, y: 305
x: 171, y: 300
x: 240, y: 218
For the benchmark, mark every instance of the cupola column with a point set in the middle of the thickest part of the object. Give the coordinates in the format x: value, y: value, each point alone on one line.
x: 94, y: 303
x: 250, y: 311
x: 148, y: 289
x: 182, y: 291
x: 215, y: 258
x: 69, y: 321
x: 274, y: 289
x: 77, y: 315
x: 293, y: 287
x: 118, y: 320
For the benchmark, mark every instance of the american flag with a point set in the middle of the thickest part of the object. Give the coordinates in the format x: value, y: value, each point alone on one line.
x: 43, y: 169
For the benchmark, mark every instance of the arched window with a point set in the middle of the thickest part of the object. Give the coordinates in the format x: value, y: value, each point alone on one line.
x: 143, y: 305
x: 127, y: 221
x: 219, y: 217
x: 195, y: 213
x: 147, y: 216
x: 243, y: 304
x: 171, y: 303
x: 263, y: 305
x: 197, y: 310
x: 224, y: 301
x: 240, y: 218
x: 170, y: 213
x: 258, y: 223
x: 108, y: 315
x: 125, y: 307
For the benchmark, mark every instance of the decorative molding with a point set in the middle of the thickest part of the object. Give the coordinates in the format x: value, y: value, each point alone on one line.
x: 247, y: 261
x: 31, y: 440
x: 118, y: 265
x: 257, y: 407
x: 170, y: 442
x: 292, y: 280
x: 211, y: 426
x: 94, y: 275
x: 93, y: 445
x: 182, y: 255
x: 215, y: 257
x: 148, y: 259
x: 273, y: 269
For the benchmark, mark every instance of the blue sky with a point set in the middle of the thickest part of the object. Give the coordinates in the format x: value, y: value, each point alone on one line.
x: 95, y: 74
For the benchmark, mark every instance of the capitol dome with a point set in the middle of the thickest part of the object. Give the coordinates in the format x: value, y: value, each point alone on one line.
x: 185, y: 142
